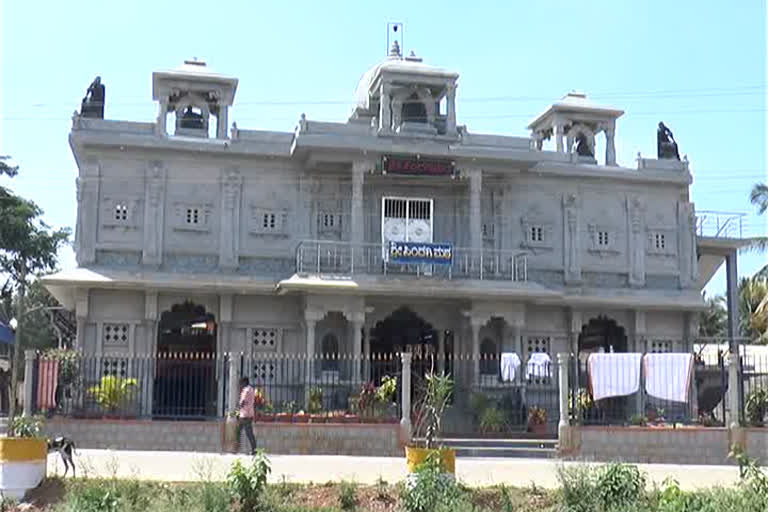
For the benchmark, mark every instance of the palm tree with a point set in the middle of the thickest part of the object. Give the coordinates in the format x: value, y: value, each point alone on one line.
x: 753, y: 308
x: 759, y: 198
x: 713, y: 321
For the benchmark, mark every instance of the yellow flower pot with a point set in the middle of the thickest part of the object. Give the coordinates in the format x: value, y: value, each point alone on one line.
x: 415, y: 456
x: 23, y: 463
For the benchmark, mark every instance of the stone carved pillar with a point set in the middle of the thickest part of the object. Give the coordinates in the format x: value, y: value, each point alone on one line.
x: 357, y: 218
x: 357, y: 342
x: 162, y: 116
x: 559, y: 132
x: 475, y: 213
x: 450, y: 105
x: 154, y: 215
x: 222, y: 120
x: 687, y: 245
x: 610, y: 145
x: 88, y: 185
x: 572, y: 239
x: 635, y: 215
x: 563, y: 362
x: 476, y: 324
x: 385, y: 108
x: 229, y: 235
x: 405, y: 421
x: 639, y: 332
x: 310, y: 323
x: 30, y: 356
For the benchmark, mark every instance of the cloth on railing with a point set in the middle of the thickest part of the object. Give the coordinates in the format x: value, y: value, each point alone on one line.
x: 614, y: 374
x: 47, y: 380
x: 510, y: 365
x: 668, y: 375
x: 538, y: 366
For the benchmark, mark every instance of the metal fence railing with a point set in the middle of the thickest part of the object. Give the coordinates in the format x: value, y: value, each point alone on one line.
x: 325, y: 387
x: 650, y: 388
x: 173, y: 386
x: 503, y: 394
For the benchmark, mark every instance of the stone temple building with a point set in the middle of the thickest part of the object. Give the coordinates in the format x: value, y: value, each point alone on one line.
x: 399, y: 229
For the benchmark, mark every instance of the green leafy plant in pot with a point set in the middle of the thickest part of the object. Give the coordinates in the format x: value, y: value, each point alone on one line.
x: 433, y: 399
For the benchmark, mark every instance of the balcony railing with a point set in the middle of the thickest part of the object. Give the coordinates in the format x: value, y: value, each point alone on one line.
x: 719, y: 224
x: 331, y: 258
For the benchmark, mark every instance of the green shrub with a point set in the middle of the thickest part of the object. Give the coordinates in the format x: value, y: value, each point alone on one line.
x: 620, y: 485
x: 756, y: 406
x: 26, y: 426
x: 429, y: 489
x: 492, y: 420
x: 246, y: 484
x: 348, y: 495
x: 578, y: 488
x: 109, y: 496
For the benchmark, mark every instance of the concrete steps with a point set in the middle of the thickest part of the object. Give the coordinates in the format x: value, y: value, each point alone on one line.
x: 522, y: 447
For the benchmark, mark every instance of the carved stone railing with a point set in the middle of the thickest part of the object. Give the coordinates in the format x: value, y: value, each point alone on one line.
x: 719, y: 224
x: 344, y: 259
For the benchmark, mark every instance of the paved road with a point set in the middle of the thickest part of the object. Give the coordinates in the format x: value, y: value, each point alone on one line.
x: 189, y: 466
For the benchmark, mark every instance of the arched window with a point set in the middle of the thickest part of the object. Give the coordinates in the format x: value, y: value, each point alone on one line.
x: 414, y: 111
x: 489, y: 361
x: 329, y: 353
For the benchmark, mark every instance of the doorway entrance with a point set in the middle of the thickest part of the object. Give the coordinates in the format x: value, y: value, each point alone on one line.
x: 601, y: 334
x: 185, y: 376
x: 405, y: 331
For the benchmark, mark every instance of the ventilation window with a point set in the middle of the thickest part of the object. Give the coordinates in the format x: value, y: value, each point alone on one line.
x: 268, y: 221
x: 121, y: 212
x: 602, y: 239
x: 659, y: 241
x: 193, y: 216
x: 537, y: 234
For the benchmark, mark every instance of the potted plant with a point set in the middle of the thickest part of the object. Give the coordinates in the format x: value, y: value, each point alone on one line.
x: 756, y: 407
x: 366, y: 401
x: 286, y: 413
x: 537, y: 420
x: 259, y: 404
x: 384, y: 399
x: 492, y: 421
x: 114, y: 395
x: 23, y: 456
x: 429, y: 408
x: 315, y: 405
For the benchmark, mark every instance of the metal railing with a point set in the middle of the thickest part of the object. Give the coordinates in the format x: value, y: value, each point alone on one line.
x: 659, y: 392
x: 719, y: 224
x: 344, y: 259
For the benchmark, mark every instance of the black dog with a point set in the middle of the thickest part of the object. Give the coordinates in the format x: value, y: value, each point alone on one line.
x: 66, y: 448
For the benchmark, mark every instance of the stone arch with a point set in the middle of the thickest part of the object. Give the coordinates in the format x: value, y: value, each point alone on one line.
x: 488, y: 357
x: 193, y: 101
x: 604, y: 333
x: 185, y: 383
x: 329, y: 352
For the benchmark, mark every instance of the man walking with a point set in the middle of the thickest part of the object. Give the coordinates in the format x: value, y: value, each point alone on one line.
x: 245, y: 415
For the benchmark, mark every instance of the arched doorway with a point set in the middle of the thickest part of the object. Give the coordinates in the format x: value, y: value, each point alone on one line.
x: 602, y: 334
x: 405, y: 331
x: 185, y: 377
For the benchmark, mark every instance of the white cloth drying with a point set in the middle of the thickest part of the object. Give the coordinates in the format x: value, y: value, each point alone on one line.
x: 538, y: 366
x: 668, y: 376
x: 510, y: 365
x: 614, y: 374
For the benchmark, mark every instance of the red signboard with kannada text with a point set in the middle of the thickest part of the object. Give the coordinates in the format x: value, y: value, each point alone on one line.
x: 417, y: 166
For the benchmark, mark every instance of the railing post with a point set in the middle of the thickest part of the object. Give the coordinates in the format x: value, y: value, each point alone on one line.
x: 30, y: 356
x: 230, y: 422
x: 318, y: 257
x: 564, y: 425
x: 405, y: 420
x: 733, y: 411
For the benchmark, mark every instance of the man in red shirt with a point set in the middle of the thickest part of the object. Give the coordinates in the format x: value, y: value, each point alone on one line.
x: 246, y: 412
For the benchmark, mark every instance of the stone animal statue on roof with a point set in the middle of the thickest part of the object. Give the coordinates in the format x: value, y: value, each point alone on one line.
x: 582, y: 146
x: 93, y: 102
x: 666, y: 146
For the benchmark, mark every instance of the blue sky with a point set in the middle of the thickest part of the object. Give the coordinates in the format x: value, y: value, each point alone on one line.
x: 700, y: 66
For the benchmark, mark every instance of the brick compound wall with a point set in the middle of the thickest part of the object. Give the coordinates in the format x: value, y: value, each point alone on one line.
x: 208, y: 436
x: 652, y: 445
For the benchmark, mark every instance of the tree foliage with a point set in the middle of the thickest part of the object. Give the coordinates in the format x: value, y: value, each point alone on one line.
x: 753, y: 308
x: 759, y: 198
x: 713, y: 322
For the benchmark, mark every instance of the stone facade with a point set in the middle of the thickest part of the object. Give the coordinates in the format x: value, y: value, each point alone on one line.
x: 285, y: 233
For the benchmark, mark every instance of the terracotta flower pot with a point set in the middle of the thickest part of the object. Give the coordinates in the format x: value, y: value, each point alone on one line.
x: 317, y: 418
x: 301, y: 418
x: 351, y: 418
x: 283, y: 417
